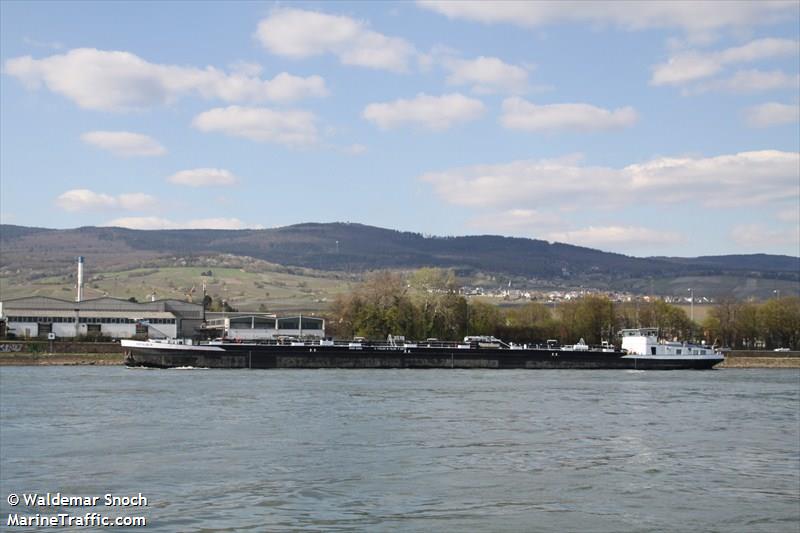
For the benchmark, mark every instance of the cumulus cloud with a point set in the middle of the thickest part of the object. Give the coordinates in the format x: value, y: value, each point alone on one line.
x: 772, y: 114
x: 746, y: 178
x: 124, y: 143
x: 299, y: 33
x: 120, y: 81
x: 487, y: 75
x: 693, y: 65
x: 203, y: 177
x: 148, y: 223
x: 76, y: 200
x: 431, y: 112
x: 613, y: 236
x: 522, y: 115
x: 693, y: 17
x: 290, y: 127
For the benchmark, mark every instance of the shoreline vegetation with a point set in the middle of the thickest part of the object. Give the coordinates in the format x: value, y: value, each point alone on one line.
x: 426, y: 304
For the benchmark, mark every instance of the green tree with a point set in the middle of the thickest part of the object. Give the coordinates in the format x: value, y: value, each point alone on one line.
x: 590, y: 318
x: 378, y: 308
x: 780, y: 322
x: 532, y: 322
x: 733, y: 324
x: 671, y: 321
x: 483, y: 318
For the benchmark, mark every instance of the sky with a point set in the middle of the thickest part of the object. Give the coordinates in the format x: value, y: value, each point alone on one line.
x: 644, y: 128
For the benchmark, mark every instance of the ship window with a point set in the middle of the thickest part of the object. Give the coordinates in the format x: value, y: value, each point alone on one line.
x: 652, y: 350
x: 264, y: 323
x: 244, y: 322
x: 289, y: 323
x: 678, y: 351
x: 312, y: 323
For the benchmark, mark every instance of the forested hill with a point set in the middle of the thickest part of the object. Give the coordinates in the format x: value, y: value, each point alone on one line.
x: 357, y: 248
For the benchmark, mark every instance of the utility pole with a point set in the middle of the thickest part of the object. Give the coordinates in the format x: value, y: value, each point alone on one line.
x: 691, y: 304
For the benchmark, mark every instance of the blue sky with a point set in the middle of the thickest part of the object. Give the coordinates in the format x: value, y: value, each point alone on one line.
x: 652, y: 128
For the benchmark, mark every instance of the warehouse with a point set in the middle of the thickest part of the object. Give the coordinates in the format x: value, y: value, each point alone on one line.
x: 39, y: 316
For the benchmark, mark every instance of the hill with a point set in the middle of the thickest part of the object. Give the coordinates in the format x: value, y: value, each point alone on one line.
x: 35, y: 253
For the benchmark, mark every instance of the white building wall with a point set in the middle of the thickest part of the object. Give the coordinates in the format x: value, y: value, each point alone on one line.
x: 64, y: 329
x: 256, y: 334
x: 24, y: 329
x: 117, y: 331
x: 301, y: 332
x: 251, y: 334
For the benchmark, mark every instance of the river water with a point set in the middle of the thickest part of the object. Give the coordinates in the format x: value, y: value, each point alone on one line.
x: 409, y: 450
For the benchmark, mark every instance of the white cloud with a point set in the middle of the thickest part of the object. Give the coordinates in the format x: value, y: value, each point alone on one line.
x: 135, y: 201
x: 759, y: 236
x: 522, y: 115
x: 52, y: 45
x: 203, y: 177
x: 790, y: 215
x: 693, y: 17
x: 124, y: 143
x: 487, y: 75
x: 299, y: 33
x: 119, y: 81
x: 772, y: 114
x: 292, y: 128
x: 355, y: 149
x: 759, y: 49
x: 693, y: 65
x: 746, y: 178
x: 747, y: 81
x: 432, y: 112
x: 149, y: 223
x: 86, y: 200
x: 687, y: 66
x: 615, y: 236
x: 514, y: 221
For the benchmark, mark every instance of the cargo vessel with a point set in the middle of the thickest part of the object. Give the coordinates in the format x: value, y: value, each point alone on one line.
x: 641, y: 350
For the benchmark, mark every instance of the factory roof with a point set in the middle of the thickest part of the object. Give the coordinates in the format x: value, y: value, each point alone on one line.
x: 98, y: 304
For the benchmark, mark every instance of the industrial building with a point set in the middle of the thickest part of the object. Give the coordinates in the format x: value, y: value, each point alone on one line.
x: 256, y: 326
x: 45, y: 317
x: 39, y: 316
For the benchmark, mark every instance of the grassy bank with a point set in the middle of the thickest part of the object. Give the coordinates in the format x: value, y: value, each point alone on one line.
x: 761, y: 359
x: 61, y: 359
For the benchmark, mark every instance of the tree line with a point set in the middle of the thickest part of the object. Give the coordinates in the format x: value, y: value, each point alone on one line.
x: 426, y: 304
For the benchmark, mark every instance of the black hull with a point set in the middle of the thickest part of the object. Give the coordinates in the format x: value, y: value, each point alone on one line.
x: 255, y: 356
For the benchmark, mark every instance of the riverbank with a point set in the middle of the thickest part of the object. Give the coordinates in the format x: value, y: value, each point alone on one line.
x: 761, y: 359
x: 60, y: 359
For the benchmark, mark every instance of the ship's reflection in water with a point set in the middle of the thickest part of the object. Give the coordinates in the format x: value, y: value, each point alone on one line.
x: 435, y: 450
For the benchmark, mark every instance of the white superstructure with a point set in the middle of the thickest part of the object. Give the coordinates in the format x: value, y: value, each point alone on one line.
x: 644, y: 343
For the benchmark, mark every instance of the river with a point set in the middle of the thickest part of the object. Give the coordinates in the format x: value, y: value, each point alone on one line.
x: 409, y: 450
